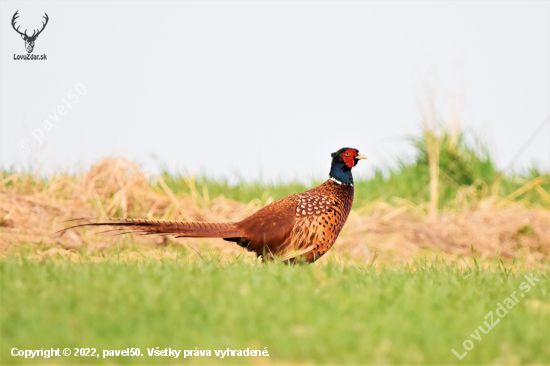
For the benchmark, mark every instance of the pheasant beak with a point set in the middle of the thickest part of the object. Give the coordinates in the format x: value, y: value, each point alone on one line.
x: 360, y: 156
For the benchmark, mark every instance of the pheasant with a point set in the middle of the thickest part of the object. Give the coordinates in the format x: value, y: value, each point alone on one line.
x: 300, y: 227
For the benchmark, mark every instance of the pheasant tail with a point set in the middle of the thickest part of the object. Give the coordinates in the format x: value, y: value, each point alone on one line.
x: 177, y: 228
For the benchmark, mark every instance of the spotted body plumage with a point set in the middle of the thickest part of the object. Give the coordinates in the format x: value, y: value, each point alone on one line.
x: 330, y: 206
x: 299, y: 227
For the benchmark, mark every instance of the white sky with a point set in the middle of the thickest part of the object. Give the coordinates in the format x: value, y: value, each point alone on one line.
x: 270, y: 89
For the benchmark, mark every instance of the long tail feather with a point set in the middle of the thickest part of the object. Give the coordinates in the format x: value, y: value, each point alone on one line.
x: 180, y: 229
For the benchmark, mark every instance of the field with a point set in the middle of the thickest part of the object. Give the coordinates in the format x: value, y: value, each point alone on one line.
x: 327, y: 314
x: 409, y: 279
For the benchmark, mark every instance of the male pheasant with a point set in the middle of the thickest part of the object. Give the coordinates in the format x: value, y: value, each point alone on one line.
x: 299, y: 227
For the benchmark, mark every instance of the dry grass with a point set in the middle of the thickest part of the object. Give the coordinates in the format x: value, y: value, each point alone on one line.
x: 115, y: 187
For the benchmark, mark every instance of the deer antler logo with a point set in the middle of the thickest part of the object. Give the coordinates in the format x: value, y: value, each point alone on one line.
x: 29, y: 40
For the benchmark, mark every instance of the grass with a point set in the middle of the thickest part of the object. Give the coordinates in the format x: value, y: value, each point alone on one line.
x: 409, y: 181
x: 462, y: 165
x: 467, y: 174
x: 328, y: 314
x: 381, y: 305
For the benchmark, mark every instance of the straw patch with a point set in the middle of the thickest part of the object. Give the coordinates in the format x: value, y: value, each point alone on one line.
x: 115, y: 187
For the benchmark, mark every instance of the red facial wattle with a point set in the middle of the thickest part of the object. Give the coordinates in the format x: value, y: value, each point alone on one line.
x: 349, y: 157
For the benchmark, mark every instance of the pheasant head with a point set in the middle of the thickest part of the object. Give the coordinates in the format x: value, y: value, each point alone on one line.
x: 342, y: 162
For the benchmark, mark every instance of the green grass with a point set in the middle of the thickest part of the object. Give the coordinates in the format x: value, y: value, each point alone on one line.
x: 408, y: 181
x: 461, y: 164
x: 326, y: 314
